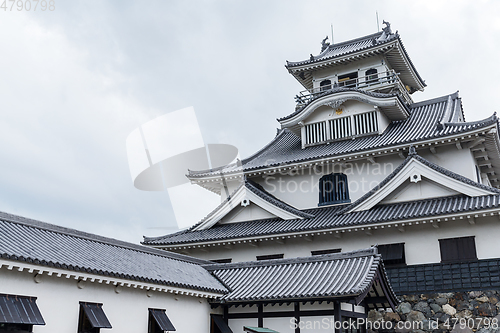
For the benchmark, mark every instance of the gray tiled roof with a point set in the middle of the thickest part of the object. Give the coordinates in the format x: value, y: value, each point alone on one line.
x: 421, y: 125
x: 344, y: 48
x: 329, y: 218
x: 338, y: 216
x: 45, y: 244
x: 349, y: 274
x: 355, y: 45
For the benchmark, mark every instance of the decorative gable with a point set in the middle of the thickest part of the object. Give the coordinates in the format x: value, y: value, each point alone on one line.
x: 250, y: 199
x: 417, y: 174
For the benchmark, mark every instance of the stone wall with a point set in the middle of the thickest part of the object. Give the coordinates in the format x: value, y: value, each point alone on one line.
x: 474, y: 311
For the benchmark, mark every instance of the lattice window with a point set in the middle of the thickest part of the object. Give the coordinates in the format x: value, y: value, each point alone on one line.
x: 316, y: 133
x: 365, y: 123
x: 333, y: 189
x: 340, y: 128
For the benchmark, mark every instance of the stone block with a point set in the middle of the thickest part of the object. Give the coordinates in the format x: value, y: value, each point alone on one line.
x: 449, y: 310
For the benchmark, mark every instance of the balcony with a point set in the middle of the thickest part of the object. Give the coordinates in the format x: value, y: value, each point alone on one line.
x: 384, y: 82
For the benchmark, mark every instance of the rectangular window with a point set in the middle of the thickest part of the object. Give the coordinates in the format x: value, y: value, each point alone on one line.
x: 393, y: 254
x: 159, y: 322
x: 222, y: 261
x: 348, y: 80
x: 19, y: 313
x: 270, y: 256
x: 92, y: 318
x: 458, y: 249
x: 321, y: 252
x: 333, y: 189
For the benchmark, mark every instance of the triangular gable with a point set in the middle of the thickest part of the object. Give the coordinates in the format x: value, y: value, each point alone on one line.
x: 416, y: 169
x: 251, y: 193
x: 410, y: 191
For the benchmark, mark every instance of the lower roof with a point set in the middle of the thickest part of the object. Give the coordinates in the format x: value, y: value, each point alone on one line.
x: 329, y: 218
x: 40, y: 243
x: 349, y: 275
x: 421, y: 125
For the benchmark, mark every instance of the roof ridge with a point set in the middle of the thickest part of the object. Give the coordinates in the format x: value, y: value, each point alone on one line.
x: 434, y: 100
x: 491, y: 119
x: 32, y: 223
x: 333, y: 46
x: 371, y: 251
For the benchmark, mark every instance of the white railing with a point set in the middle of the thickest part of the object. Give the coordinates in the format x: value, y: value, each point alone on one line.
x: 370, y: 82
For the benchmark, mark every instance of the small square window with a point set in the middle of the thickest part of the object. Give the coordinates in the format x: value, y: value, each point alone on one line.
x: 321, y: 252
x: 393, y: 254
x: 270, y: 256
x: 458, y: 249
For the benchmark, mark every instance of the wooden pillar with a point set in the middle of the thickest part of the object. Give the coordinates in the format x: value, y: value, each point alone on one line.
x: 338, y: 317
x: 225, y: 313
x: 260, y: 318
x: 296, y: 314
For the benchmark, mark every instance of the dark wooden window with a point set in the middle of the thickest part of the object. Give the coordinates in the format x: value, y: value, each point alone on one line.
x: 153, y: 326
x: 222, y: 261
x: 92, y: 318
x: 348, y: 80
x: 371, y: 75
x: 333, y: 189
x: 325, y: 85
x: 84, y: 325
x: 158, y: 321
x: 393, y: 254
x: 321, y: 252
x: 458, y: 249
x: 270, y: 256
x: 15, y: 328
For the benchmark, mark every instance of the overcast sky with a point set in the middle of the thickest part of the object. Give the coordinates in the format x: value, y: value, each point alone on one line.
x: 76, y: 81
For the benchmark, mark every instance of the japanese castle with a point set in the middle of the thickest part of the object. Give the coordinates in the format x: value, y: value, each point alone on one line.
x: 358, y: 163
x: 362, y: 197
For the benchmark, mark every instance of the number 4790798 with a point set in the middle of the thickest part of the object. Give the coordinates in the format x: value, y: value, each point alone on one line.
x: 28, y: 5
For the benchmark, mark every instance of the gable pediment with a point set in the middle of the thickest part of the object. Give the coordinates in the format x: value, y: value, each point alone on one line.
x: 410, y: 191
x: 249, y: 202
x: 246, y: 212
x: 417, y: 178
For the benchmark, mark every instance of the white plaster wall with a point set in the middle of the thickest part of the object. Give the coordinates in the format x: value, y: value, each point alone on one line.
x: 58, y: 300
x: 250, y: 212
x: 282, y: 325
x: 236, y: 325
x: 421, y: 242
x: 459, y: 161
